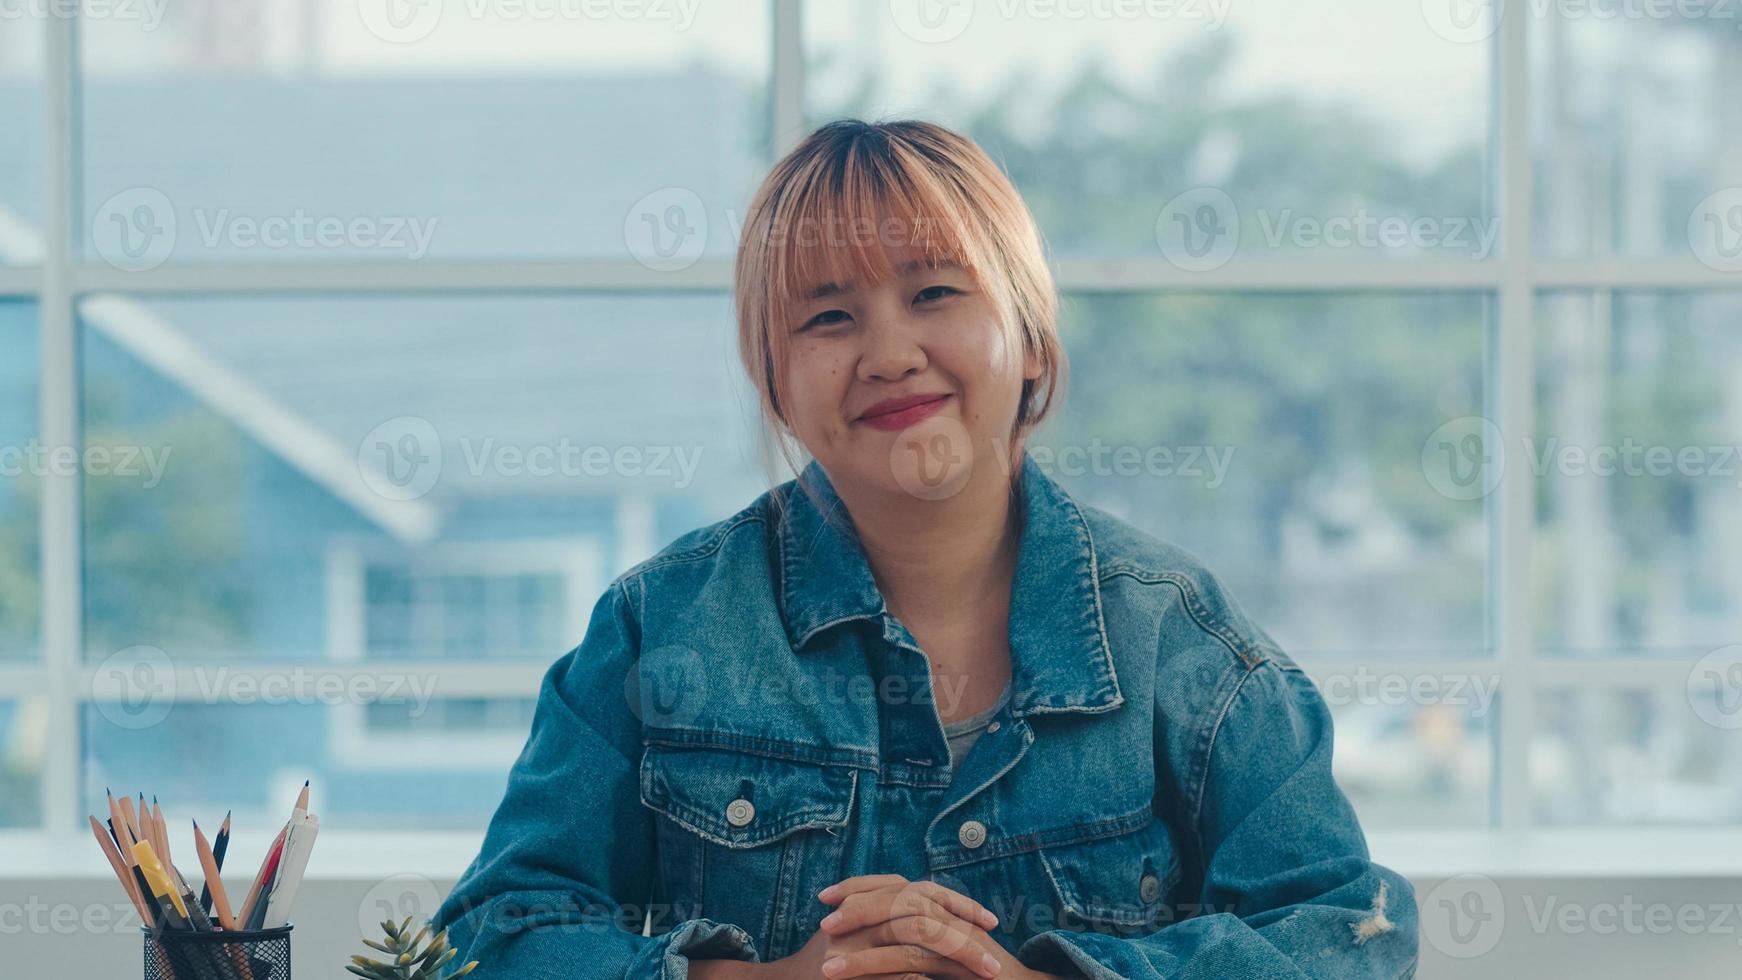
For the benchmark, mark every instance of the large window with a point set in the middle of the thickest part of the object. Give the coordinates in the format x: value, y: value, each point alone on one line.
x: 383, y: 336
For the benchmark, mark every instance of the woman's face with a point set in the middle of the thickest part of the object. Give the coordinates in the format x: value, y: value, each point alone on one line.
x: 910, y: 385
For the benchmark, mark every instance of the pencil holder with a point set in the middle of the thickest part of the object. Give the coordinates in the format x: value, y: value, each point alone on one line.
x: 176, y: 954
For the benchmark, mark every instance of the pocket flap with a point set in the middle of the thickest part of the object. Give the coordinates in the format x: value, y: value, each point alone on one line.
x: 1123, y: 880
x: 741, y: 800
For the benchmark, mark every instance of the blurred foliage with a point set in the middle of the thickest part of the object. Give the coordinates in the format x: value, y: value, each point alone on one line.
x: 171, y: 554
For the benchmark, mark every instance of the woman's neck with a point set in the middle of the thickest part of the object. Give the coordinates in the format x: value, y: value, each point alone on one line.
x: 938, y: 561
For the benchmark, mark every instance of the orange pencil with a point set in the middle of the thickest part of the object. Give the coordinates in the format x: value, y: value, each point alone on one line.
x: 118, y: 824
x: 220, y: 900
x: 147, y: 826
x: 157, y: 834
x: 122, y: 870
x: 162, y: 832
x: 132, y: 821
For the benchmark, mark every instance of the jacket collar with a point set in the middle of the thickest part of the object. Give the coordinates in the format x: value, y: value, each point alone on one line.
x: 1060, y: 658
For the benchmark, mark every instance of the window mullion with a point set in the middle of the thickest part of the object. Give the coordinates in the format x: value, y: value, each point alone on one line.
x: 1510, y: 586
x: 62, y: 579
x: 786, y: 82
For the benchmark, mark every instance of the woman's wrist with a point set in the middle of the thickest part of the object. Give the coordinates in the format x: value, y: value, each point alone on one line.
x: 732, y: 970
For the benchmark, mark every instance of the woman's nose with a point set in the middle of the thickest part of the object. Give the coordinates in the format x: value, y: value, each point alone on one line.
x: 892, y: 351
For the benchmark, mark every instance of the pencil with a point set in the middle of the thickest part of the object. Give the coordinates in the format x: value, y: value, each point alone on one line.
x: 147, y: 827
x: 115, y: 820
x: 219, y: 846
x: 215, y: 888
x: 160, y: 886
x: 139, y: 883
x: 214, y: 883
x: 122, y: 873
x: 176, y: 914
x: 132, y: 821
x: 119, y: 837
x: 261, y: 877
x: 162, y: 833
x: 256, y: 917
x: 118, y: 827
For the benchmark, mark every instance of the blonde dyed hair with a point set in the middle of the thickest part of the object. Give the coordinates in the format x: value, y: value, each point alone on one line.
x: 824, y: 214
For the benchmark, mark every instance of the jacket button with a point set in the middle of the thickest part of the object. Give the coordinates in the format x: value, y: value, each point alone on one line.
x: 972, y: 834
x: 1149, y: 889
x: 740, y: 812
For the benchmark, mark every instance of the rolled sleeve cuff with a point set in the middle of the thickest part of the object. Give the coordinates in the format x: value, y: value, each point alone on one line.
x: 701, y: 939
x: 1071, y: 953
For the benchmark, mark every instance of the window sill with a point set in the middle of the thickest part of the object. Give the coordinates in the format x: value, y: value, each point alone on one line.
x: 1645, y: 852
x: 337, y: 856
x: 1563, y: 852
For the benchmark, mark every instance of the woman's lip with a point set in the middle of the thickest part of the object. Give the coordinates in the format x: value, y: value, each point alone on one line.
x: 893, y: 421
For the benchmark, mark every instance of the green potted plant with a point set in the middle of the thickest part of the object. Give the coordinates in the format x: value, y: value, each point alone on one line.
x: 406, y: 961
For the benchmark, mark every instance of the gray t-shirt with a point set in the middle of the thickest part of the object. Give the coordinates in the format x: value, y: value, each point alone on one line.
x: 961, y: 734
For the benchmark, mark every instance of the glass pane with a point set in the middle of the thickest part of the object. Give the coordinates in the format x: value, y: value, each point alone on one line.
x: 1636, y: 128
x: 392, y: 478
x: 426, y: 765
x: 257, y: 130
x: 1285, y: 440
x: 23, y: 742
x: 1414, y: 751
x: 1136, y: 127
x: 24, y: 460
x: 1642, y: 756
x: 21, y: 48
x: 1639, y: 480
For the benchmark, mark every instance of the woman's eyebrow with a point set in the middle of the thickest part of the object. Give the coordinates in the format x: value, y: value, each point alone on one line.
x: 906, y: 268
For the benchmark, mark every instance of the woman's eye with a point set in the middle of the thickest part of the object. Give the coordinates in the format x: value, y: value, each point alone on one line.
x: 822, y: 319
x: 929, y: 289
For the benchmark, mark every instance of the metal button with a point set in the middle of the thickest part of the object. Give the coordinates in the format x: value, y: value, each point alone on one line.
x: 992, y: 727
x: 740, y: 812
x: 972, y: 834
x: 1149, y: 889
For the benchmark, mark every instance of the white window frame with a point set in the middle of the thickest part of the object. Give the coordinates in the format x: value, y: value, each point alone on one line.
x: 1515, y: 278
x: 578, y: 560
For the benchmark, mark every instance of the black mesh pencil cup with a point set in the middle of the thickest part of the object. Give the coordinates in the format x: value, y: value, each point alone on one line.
x: 178, y: 954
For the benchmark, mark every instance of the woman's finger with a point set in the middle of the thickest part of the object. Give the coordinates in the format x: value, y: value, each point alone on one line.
x: 858, y: 883
x: 956, y: 949
x: 899, y: 960
x: 950, y: 938
x: 958, y: 903
x: 868, y: 907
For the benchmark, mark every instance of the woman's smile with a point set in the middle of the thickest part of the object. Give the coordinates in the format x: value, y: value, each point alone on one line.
x: 896, y: 414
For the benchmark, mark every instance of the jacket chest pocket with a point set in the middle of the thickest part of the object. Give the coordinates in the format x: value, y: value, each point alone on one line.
x: 747, y: 839
x: 1120, y: 884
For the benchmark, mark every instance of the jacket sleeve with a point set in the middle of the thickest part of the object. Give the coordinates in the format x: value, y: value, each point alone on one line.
x: 1288, y: 889
x: 563, y: 880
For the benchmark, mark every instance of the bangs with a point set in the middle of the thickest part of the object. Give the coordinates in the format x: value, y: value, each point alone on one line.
x: 839, y: 219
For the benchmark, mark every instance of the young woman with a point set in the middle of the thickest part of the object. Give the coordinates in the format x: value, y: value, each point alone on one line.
x: 918, y: 712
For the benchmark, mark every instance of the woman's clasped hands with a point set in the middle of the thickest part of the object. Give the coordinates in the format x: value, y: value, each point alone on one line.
x: 886, y: 926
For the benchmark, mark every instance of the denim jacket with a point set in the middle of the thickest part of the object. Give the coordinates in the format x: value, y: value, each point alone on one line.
x: 744, y: 722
